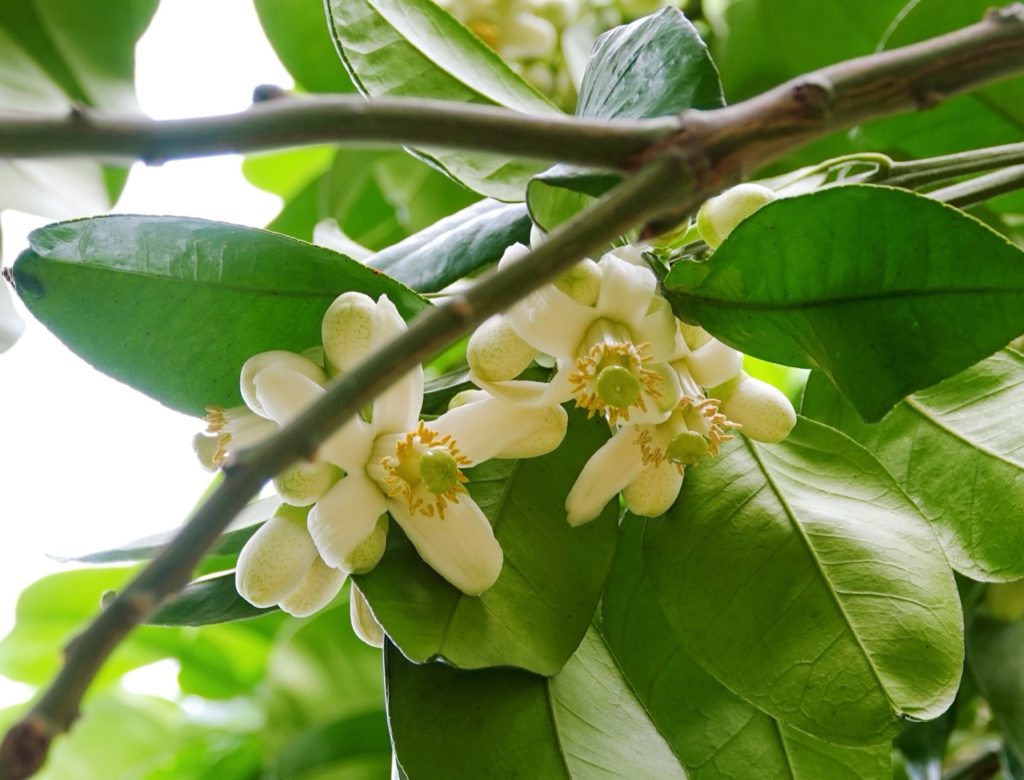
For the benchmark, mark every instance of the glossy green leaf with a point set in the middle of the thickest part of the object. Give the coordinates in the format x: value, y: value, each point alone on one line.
x: 175, y: 306
x: 213, y: 600
x: 455, y: 246
x: 804, y: 579
x: 956, y: 449
x: 413, y: 48
x: 583, y: 723
x: 983, y: 117
x: 535, y: 615
x: 299, y: 33
x: 655, y: 66
x: 716, y: 734
x: 995, y: 654
x: 878, y: 288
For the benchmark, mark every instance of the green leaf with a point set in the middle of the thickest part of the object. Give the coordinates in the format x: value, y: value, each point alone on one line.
x: 923, y: 745
x: 804, y: 579
x: 342, y: 746
x: 175, y: 306
x: 983, y: 117
x: 201, y: 603
x: 715, y: 733
x: 995, y: 654
x: 583, y: 723
x: 878, y: 288
x: 413, y: 48
x: 655, y: 66
x: 298, y: 31
x: 535, y: 615
x: 455, y: 246
x: 955, y: 448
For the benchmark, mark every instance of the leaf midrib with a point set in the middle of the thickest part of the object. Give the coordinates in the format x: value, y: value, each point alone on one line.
x: 925, y: 414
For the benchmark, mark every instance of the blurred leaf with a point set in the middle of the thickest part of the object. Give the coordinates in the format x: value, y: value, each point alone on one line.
x: 455, y: 246
x: 206, y: 601
x: 535, y: 615
x: 871, y: 285
x: 298, y: 30
x: 955, y: 448
x: 585, y: 722
x: 175, y: 306
x: 804, y: 579
x: 923, y: 745
x: 414, y: 48
x: 655, y: 66
x: 287, y: 172
x: 995, y: 654
x: 351, y: 746
x: 716, y: 734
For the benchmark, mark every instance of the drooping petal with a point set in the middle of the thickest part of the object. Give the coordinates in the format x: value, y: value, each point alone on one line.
x: 526, y: 392
x: 626, y: 290
x: 275, y: 559
x: 11, y: 325
x: 398, y: 408
x: 461, y: 547
x: 609, y: 470
x: 654, y: 490
x: 281, y: 358
x: 714, y: 363
x: 318, y: 587
x: 345, y: 518
x: 363, y: 622
x: 284, y: 393
x: 550, y: 321
x: 486, y: 427
x: 658, y: 329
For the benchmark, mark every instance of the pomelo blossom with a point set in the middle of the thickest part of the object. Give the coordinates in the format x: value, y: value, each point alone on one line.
x: 609, y: 332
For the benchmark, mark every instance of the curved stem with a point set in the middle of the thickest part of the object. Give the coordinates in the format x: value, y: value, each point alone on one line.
x: 981, y: 188
x: 916, y: 173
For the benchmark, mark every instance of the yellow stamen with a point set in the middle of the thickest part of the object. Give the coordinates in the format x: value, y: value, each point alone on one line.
x: 626, y: 355
x: 402, y: 472
x: 705, y: 419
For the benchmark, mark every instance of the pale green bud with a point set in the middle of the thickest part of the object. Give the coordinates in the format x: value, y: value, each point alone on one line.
x: 277, y: 357
x: 496, y: 352
x: 582, y: 282
x: 347, y: 331
x: 654, y: 491
x: 364, y: 623
x: 720, y: 215
x: 666, y: 390
x: 318, y: 587
x: 368, y: 554
x: 304, y: 483
x: 764, y: 413
x: 276, y: 558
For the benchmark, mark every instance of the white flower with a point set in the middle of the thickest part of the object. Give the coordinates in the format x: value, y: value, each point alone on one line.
x: 610, y: 333
x: 11, y: 325
x: 227, y: 431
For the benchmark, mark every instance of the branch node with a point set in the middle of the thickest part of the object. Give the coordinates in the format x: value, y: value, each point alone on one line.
x: 929, y: 98
x: 24, y: 749
x: 264, y: 92
x: 813, y: 96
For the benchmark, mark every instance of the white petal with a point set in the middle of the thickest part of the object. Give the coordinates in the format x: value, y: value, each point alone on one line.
x: 487, y: 427
x: 349, y: 446
x: 274, y: 561
x: 513, y: 254
x: 607, y: 472
x: 654, y: 491
x: 11, y: 325
x: 658, y: 329
x: 363, y: 622
x: 551, y: 322
x: 714, y: 363
x: 284, y: 393
x: 526, y: 392
x: 626, y: 290
x: 345, y: 518
x: 318, y: 587
x: 397, y: 409
x: 281, y: 358
x: 461, y: 548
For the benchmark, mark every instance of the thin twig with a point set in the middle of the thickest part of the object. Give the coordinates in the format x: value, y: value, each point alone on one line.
x: 914, y: 173
x: 981, y: 188
x: 707, y: 151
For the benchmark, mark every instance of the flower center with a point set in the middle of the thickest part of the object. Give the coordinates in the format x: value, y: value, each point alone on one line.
x: 695, y: 430
x: 423, y: 469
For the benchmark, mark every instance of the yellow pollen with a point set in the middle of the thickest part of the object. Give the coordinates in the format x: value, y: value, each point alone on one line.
x: 215, y: 419
x: 717, y: 433
x: 633, y: 357
x: 402, y: 472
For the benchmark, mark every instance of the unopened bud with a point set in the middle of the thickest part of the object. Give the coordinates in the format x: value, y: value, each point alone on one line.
x: 582, y: 282
x: 764, y: 413
x: 496, y: 352
x: 347, y: 331
x: 654, y: 491
x: 543, y: 427
x: 720, y: 215
x: 275, y: 559
x: 304, y: 483
x: 368, y: 554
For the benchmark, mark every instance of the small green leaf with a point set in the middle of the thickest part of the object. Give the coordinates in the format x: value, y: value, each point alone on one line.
x: 804, y: 579
x: 456, y: 246
x: 175, y: 306
x: 413, y: 48
x: 535, y: 615
x: 583, y: 723
x: 995, y: 653
x: 955, y: 448
x: 716, y: 734
x: 204, y: 602
x: 298, y: 31
x: 880, y: 289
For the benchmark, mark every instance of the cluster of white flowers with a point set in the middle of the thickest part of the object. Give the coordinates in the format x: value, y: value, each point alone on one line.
x: 671, y: 393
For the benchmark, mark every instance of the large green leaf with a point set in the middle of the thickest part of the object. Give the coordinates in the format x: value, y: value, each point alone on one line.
x: 956, y: 449
x: 583, y: 723
x: 885, y: 291
x: 455, y: 246
x: 803, y: 578
x: 535, y: 615
x: 413, y: 48
x: 655, y: 66
x: 715, y: 733
x: 995, y: 653
x: 175, y: 306
x: 298, y: 31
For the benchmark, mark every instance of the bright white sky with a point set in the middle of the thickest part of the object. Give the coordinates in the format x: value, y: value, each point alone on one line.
x: 86, y: 462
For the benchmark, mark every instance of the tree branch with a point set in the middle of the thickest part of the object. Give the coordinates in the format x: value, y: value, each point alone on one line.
x: 706, y: 152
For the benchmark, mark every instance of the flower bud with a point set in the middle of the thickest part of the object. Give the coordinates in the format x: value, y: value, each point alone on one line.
x: 368, y: 554
x: 363, y: 622
x: 347, y: 331
x: 275, y: 559
x: 527, y: 37
x: 304, y: 483
x: 714, y: 363
x: 543, y: 429
x: 582, y: 282
x: 719, y: 216
x: 318, y: 587
x: 496, y: 352
x: 277, y: 357
x: 764, y: 413
x: 654, y: 491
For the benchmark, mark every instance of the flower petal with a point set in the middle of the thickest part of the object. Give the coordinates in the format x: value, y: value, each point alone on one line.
x: 658, y: 329
x: 526, y: 392
x: 461, y: 548
x: 485, y: 428
x: 607, y: 472
x: 318, y: 587
x: 284, y: 393
x: 275, y: 559
x: 349, y: 446
x: 397, y: 409
x: 714, y: 363
x: 626, y: 290
x: 345, y: 518
x: 363, y: 622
